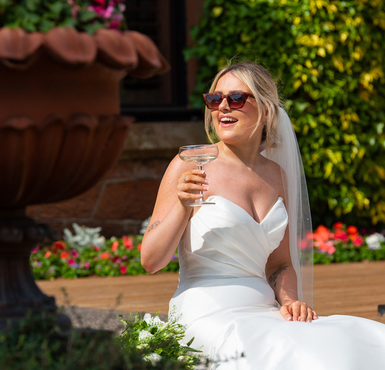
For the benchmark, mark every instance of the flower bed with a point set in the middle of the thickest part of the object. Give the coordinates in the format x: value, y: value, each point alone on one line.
x: 346, y: 244
x: 86, y: 253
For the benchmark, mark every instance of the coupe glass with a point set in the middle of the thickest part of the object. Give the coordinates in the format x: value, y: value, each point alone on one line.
x: 200, y: 154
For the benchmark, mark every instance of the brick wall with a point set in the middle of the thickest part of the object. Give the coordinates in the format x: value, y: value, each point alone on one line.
x: 126, y: 196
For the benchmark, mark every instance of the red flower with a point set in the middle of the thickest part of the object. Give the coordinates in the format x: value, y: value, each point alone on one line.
x: 338, y: 225
x: 96, y: 247
x: 322, y: 233
x: 105, y: 256
x: 64, y: 255
x: 357, y: 240
x: 352, y: 230
x: 127, y: 242
x: 60, y: 245
x: 115, y: 246
x: 123, y: 270
x: 75, y: 254
x: 140, y: 247
x: 339, y: 234
x: 47, y: 254
x: 71, y: 262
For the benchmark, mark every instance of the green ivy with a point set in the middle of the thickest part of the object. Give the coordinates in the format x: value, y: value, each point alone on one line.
x: 328, y: 59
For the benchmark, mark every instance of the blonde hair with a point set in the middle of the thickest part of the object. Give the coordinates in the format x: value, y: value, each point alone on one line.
x: 264, y: 89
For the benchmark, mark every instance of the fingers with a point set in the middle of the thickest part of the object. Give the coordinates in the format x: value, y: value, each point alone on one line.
x: 285, y: 313
x: 298, y: 311
x: 191, y: 184
x: 194, y: 176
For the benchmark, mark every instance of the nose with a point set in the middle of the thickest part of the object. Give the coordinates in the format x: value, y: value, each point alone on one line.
x: 224, y: 106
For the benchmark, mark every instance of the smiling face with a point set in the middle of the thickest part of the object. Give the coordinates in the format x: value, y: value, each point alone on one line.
x: 235, y: 126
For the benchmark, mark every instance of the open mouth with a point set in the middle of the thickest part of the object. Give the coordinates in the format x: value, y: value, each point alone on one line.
x: 227, y: 121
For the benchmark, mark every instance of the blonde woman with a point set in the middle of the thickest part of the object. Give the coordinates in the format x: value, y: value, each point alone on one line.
x: 245, y: 284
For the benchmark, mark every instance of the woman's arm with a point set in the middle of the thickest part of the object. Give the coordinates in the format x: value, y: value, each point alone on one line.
x: 171, y: 214
x: 282, y: 278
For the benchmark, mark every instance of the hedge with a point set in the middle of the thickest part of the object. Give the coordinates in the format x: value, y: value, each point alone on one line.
x: 328, y: 59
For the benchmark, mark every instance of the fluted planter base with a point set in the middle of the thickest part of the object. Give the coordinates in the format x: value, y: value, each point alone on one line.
x: 18, y: 290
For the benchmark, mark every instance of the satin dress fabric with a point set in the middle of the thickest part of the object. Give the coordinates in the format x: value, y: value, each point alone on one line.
x: 227, y: 305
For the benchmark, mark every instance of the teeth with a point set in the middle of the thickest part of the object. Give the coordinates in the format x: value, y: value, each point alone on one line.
x: 228, y: 119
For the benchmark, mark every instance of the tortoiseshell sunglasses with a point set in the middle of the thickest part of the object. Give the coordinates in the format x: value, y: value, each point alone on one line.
x: 236, y: 100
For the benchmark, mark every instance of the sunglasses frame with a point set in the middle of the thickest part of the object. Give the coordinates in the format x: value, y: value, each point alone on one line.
x: 245, y: 95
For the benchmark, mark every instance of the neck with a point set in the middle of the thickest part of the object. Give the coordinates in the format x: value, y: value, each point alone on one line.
x: 248, y: 154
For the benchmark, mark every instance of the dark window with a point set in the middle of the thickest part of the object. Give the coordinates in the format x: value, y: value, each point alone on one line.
x: 160, y: 97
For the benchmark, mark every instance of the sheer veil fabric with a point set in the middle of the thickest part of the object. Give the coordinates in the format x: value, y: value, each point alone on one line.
x: 285, y: 152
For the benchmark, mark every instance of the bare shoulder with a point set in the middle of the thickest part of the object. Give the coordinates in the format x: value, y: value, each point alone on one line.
x: 274, y: 175
x: 174, y: 170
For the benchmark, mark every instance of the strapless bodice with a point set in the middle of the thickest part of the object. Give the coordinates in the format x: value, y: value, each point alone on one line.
x: 223, y: 240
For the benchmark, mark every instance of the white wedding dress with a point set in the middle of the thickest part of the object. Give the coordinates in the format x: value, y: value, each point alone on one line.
x: 229, y: 308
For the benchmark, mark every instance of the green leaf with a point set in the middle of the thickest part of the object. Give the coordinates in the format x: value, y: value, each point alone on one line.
x: 56, y: 7
x: 86, y: 15
x: 46, y: 25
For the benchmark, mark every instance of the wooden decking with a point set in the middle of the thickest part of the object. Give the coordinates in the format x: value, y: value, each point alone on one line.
x: 349, y: 289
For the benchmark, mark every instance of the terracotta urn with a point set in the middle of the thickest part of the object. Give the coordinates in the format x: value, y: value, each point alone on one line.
x: 60, y: 132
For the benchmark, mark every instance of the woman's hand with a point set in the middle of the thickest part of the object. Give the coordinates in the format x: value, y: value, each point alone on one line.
x: 189, y: 184
x: 298, y: 311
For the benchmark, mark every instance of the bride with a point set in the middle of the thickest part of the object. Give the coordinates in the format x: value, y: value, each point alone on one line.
x: 245, y: 262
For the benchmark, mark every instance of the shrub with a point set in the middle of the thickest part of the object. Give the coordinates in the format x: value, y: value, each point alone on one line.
x: 35, y: 343
x: 329, y: 56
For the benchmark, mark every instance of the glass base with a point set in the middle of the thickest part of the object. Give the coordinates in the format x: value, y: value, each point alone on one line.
x: 200, y: 204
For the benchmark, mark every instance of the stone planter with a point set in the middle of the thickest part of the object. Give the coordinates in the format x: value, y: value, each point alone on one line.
x: 60, y: 132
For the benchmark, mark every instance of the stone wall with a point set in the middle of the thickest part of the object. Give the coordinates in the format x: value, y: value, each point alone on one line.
x: 126, y: 196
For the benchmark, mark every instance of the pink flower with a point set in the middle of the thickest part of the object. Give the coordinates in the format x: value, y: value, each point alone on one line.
x: 123, y: 270
x: 127, y: 242
x: 75, y: 254
x: 71, y: 262
x: 108, y: 12
x: 96, y: 248
x: 35, y: 250
x: 87, y: 265
x: 113, y: 25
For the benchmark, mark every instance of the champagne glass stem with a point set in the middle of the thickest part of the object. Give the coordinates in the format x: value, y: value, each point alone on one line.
x: 200, y: 167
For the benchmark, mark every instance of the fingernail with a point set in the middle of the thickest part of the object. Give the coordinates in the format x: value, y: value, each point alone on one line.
x: 205, y: 188
x: 207, y: 181
x: 202, y: 172
x: 289, y: 319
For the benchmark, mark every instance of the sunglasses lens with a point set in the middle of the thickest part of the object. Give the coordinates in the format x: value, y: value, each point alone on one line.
x: 236, y: 101
x: 213, y: 101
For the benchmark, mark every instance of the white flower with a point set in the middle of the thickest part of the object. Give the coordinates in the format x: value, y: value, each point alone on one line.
x: 144, y: 335
x: 373, y: 241
x: 153, y: 321
x: 144, y: 225
x: 153, y: 358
